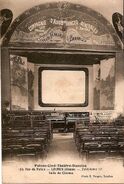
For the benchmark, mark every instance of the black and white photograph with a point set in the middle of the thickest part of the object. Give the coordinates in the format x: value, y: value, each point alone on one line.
x: 62, y: 91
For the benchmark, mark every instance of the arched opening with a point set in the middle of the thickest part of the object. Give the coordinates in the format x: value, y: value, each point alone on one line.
x: 63, y: 34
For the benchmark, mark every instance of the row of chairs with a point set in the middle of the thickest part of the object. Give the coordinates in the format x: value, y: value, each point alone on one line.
x: 24, y: 115
x: 102, y: 138
x: 24, y: 136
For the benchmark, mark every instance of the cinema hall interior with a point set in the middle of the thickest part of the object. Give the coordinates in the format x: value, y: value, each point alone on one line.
x: 62, y: 80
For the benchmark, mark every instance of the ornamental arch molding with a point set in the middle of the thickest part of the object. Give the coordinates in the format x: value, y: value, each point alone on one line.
x: 62, y: 26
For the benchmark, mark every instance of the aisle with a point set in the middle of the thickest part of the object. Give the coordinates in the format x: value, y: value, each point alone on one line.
x: 63, y: 146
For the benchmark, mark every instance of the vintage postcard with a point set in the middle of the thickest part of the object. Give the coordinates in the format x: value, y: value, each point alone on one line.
x: 62, y: 91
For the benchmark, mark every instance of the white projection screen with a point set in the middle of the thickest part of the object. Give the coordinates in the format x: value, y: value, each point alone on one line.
x: 62, y: 87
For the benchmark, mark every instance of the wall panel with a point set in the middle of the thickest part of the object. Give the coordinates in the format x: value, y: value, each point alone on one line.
x: 19, y: 83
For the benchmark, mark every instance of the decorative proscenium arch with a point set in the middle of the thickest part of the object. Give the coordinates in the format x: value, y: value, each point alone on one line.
x: 62, y: 25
